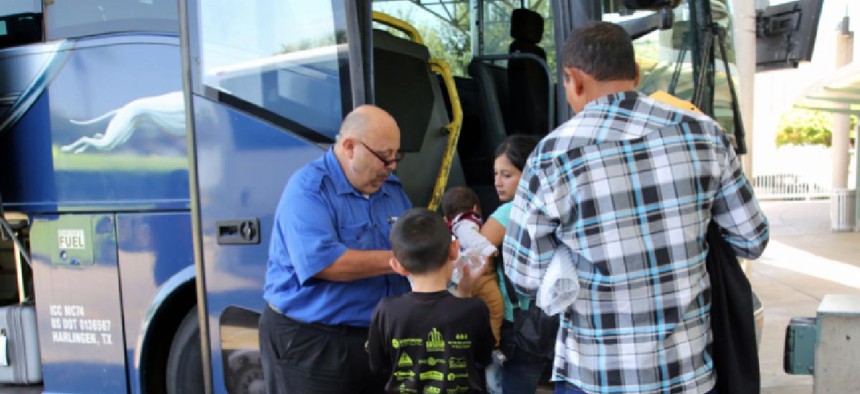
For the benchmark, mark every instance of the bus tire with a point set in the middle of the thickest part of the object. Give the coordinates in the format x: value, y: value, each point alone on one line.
x: 184, y: 364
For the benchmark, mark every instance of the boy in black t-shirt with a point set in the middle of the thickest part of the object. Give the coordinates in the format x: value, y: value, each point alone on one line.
x: 429, y: 341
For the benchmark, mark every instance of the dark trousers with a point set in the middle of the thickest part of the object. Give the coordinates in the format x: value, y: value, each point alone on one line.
x: 522, y: 372
x: 309, y: 358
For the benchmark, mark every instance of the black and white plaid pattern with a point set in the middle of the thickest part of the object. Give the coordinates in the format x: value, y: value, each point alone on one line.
x: 629, y: 185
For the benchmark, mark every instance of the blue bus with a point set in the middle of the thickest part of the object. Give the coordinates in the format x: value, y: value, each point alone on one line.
x: 144, y: 145
x: 95, y: 182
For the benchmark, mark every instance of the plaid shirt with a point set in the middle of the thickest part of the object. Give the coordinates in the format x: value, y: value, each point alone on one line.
x: 629, y: 185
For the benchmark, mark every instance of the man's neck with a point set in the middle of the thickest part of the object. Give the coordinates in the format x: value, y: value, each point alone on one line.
x: 429, y: 282
x: 610, y: 87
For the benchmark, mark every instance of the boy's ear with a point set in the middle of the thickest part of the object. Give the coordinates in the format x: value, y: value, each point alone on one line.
x: 454, y: 250
x: 638, y: 74
x: 397, y: 267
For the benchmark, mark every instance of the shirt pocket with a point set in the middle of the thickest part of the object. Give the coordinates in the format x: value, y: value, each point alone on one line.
x: 356, y: 236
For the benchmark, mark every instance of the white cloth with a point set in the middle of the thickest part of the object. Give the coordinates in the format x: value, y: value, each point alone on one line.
x: 470, y: 237
x: 560, y: 286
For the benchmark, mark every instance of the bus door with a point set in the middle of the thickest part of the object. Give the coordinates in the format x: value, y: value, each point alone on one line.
x: 270, y: 83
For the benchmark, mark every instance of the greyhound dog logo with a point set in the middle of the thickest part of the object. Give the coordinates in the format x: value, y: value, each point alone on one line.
x: 166, y: 111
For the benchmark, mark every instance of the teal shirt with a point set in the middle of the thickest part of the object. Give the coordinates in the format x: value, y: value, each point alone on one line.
x: 502, y: 214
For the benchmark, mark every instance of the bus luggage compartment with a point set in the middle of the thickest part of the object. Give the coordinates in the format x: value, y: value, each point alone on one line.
x: 19, y: 345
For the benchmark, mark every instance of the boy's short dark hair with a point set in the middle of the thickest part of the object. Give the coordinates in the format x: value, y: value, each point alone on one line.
x: 421, y: 240
x: 457, y: 200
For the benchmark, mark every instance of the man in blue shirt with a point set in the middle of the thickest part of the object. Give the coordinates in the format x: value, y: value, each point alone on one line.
x: 329, y: 261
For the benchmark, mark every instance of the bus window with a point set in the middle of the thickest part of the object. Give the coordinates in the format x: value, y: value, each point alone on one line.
x: 445, y: 28
x: 664, y: 56
x: 66, y: 19
x: 723, y: 112
x: 20, y: 22
x: 497, y: 27
x: 20, y: 29
x: 285, y: 58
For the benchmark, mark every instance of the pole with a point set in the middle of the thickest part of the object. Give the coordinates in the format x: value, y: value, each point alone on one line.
x: 745, y: 47
x: 841, y: 121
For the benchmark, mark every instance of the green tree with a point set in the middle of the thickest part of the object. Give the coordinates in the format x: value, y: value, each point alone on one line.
x: 806, y: 127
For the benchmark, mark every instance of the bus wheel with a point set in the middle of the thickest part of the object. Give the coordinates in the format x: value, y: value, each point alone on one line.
x: 184, y: 364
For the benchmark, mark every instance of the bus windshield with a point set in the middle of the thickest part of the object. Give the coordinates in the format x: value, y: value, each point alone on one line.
x: 80, y: 18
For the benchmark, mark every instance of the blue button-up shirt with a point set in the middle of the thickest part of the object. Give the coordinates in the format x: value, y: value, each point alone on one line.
x: 320, y: 216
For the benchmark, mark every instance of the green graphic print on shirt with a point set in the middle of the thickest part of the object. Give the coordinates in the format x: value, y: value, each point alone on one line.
x: 431, y: 343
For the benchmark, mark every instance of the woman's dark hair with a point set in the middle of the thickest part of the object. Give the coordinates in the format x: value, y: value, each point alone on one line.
x: 517, y: 149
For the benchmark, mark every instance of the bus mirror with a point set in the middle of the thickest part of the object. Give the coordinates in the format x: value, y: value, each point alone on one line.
x: 650, y: 4
x: 785, y: 34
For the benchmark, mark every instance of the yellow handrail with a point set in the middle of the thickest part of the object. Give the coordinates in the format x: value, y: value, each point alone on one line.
x: 440, y: 67
x: 398, y: 24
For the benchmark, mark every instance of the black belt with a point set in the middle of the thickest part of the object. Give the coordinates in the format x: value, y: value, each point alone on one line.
x: 336, y: 329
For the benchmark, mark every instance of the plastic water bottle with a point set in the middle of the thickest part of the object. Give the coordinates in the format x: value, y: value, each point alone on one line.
x: 471, y: 258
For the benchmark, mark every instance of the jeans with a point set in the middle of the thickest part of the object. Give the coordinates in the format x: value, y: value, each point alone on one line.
x: 522, y: 372
x: 566, y: 388
x: 521, y: 377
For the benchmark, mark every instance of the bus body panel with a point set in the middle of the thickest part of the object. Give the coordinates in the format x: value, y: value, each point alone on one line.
x: 106, y: 132
x: 79, y: 315
x: 94, y: 152
x: 155, y: 259
x: 244, y: 164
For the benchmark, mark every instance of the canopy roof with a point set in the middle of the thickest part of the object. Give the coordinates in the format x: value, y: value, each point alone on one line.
x: 833, y: 92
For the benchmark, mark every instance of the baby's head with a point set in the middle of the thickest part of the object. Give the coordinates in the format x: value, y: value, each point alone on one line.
x: 459, y: 199
x: 421, y: 241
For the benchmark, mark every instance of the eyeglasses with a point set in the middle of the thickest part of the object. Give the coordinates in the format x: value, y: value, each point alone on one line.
x: 386, y: 162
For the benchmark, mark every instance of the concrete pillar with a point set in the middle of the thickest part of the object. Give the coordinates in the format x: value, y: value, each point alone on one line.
x: 843, y: 215
x: 745, y: 39
x: 841, y: 122
x: 745, y: 42
x: 857, y: 175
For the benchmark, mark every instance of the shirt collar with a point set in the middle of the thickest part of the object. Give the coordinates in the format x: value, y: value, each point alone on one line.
x: 341, y: 184
x: 613, y: 99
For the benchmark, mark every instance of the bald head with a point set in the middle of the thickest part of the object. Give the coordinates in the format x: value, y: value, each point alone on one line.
x: 366, y: 147
x: 364, y: 118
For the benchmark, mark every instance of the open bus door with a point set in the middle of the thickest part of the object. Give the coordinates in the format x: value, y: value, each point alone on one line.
x: 269, y: 84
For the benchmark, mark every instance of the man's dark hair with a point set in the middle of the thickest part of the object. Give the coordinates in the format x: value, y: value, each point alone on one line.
x: 517, y: 149
x: 457, y: 200
x: 602, y: 50
x: 421, y: 240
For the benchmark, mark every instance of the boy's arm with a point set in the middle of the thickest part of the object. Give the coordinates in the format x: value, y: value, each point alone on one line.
x: 486, y: 341
x: 375, y: 346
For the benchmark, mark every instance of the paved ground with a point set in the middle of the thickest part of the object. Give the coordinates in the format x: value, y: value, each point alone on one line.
x: 804, y: 261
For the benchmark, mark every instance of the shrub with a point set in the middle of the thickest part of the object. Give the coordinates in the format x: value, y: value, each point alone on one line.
x: 806, y: 127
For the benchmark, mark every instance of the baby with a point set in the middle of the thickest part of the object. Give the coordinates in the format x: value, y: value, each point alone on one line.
x: 462, y: 210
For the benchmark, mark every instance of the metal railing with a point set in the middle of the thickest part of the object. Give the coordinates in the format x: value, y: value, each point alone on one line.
x: 788, y: 187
